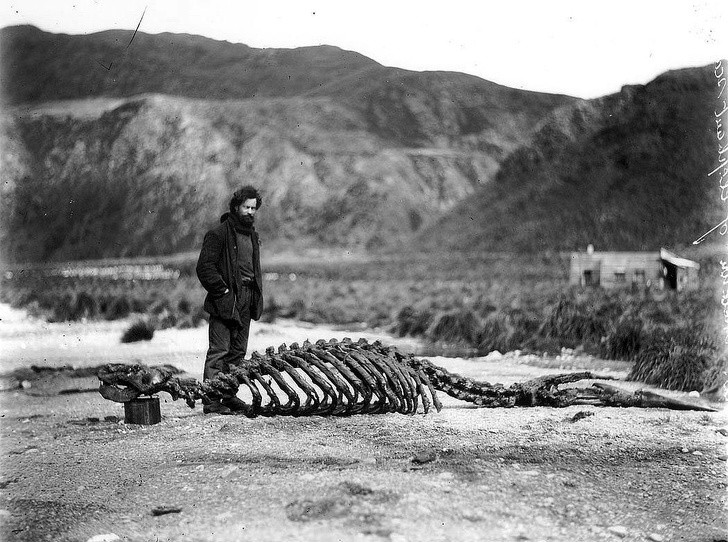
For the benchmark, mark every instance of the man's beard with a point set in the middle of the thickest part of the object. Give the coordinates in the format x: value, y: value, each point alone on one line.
x: 246, y: 220
x: 241, y: 223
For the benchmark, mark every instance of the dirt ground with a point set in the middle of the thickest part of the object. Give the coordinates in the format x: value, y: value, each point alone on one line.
x: 73, y: 470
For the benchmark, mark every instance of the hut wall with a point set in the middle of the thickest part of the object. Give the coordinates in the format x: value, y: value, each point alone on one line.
x: 687, y: 278
x: 617, y: 269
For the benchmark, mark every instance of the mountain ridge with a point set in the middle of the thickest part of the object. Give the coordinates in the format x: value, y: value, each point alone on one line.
x: 101, y: 63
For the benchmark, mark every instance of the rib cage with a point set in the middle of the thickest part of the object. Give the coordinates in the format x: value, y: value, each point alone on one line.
x: 323, y: 379
x: 332, y: 378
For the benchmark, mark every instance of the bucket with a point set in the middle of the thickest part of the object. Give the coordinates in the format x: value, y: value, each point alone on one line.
x: 142, y: 411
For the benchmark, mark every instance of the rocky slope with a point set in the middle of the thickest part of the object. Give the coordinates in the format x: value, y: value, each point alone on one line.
x: 625, y: 172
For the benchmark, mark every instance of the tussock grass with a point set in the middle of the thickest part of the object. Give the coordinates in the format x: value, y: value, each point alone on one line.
x: 411, y: 322
x: 624, y: 340
x: 576, y: 320
x: 680, y: 359
x: 456, y: 327
x: 497, y: 333
x: 57, y: 298
x: 140, y: 330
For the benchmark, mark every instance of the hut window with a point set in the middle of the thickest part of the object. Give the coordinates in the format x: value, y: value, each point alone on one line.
x: 620, y: 276
x: 639, y: 276
x: 588, y: 277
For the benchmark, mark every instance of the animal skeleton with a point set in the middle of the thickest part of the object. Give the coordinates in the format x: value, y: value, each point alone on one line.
x: 344, y: 378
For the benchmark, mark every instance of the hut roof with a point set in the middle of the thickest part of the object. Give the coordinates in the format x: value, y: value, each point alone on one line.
x: 677, y: 260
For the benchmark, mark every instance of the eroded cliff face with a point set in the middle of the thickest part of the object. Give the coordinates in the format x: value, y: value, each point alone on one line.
x: 147, y: 175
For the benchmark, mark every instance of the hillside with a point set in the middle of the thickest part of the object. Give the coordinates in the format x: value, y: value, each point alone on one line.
x: 625, y: 172
x: 40, y: 66
x: 148, y: 175
x: 352, y: 154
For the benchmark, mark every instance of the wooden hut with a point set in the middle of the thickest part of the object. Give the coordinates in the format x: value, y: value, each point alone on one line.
x: 662, y: 270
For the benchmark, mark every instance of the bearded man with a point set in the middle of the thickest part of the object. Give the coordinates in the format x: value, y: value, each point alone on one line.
x: 229, y: 269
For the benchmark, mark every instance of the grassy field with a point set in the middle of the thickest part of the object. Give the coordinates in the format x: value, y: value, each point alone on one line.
x: 471, y: 303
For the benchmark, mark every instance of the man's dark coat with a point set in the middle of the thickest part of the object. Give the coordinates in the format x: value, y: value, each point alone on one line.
x: 216, y: 268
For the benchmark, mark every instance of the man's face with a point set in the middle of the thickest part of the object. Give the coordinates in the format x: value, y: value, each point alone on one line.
x: 247, y: 208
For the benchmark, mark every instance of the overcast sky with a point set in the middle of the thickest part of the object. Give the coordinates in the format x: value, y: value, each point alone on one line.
x: 578, y: 47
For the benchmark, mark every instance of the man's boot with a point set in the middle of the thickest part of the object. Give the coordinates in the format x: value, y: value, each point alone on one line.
x: 235, y: 404
x: 216, y: 408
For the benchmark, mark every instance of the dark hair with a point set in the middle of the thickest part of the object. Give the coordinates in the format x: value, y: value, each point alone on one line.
x: 244, y: 193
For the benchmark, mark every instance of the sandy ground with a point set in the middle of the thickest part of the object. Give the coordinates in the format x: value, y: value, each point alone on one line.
x: 72, y: 470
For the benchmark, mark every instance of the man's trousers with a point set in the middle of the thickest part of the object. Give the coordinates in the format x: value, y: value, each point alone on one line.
x: 228, y: 345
